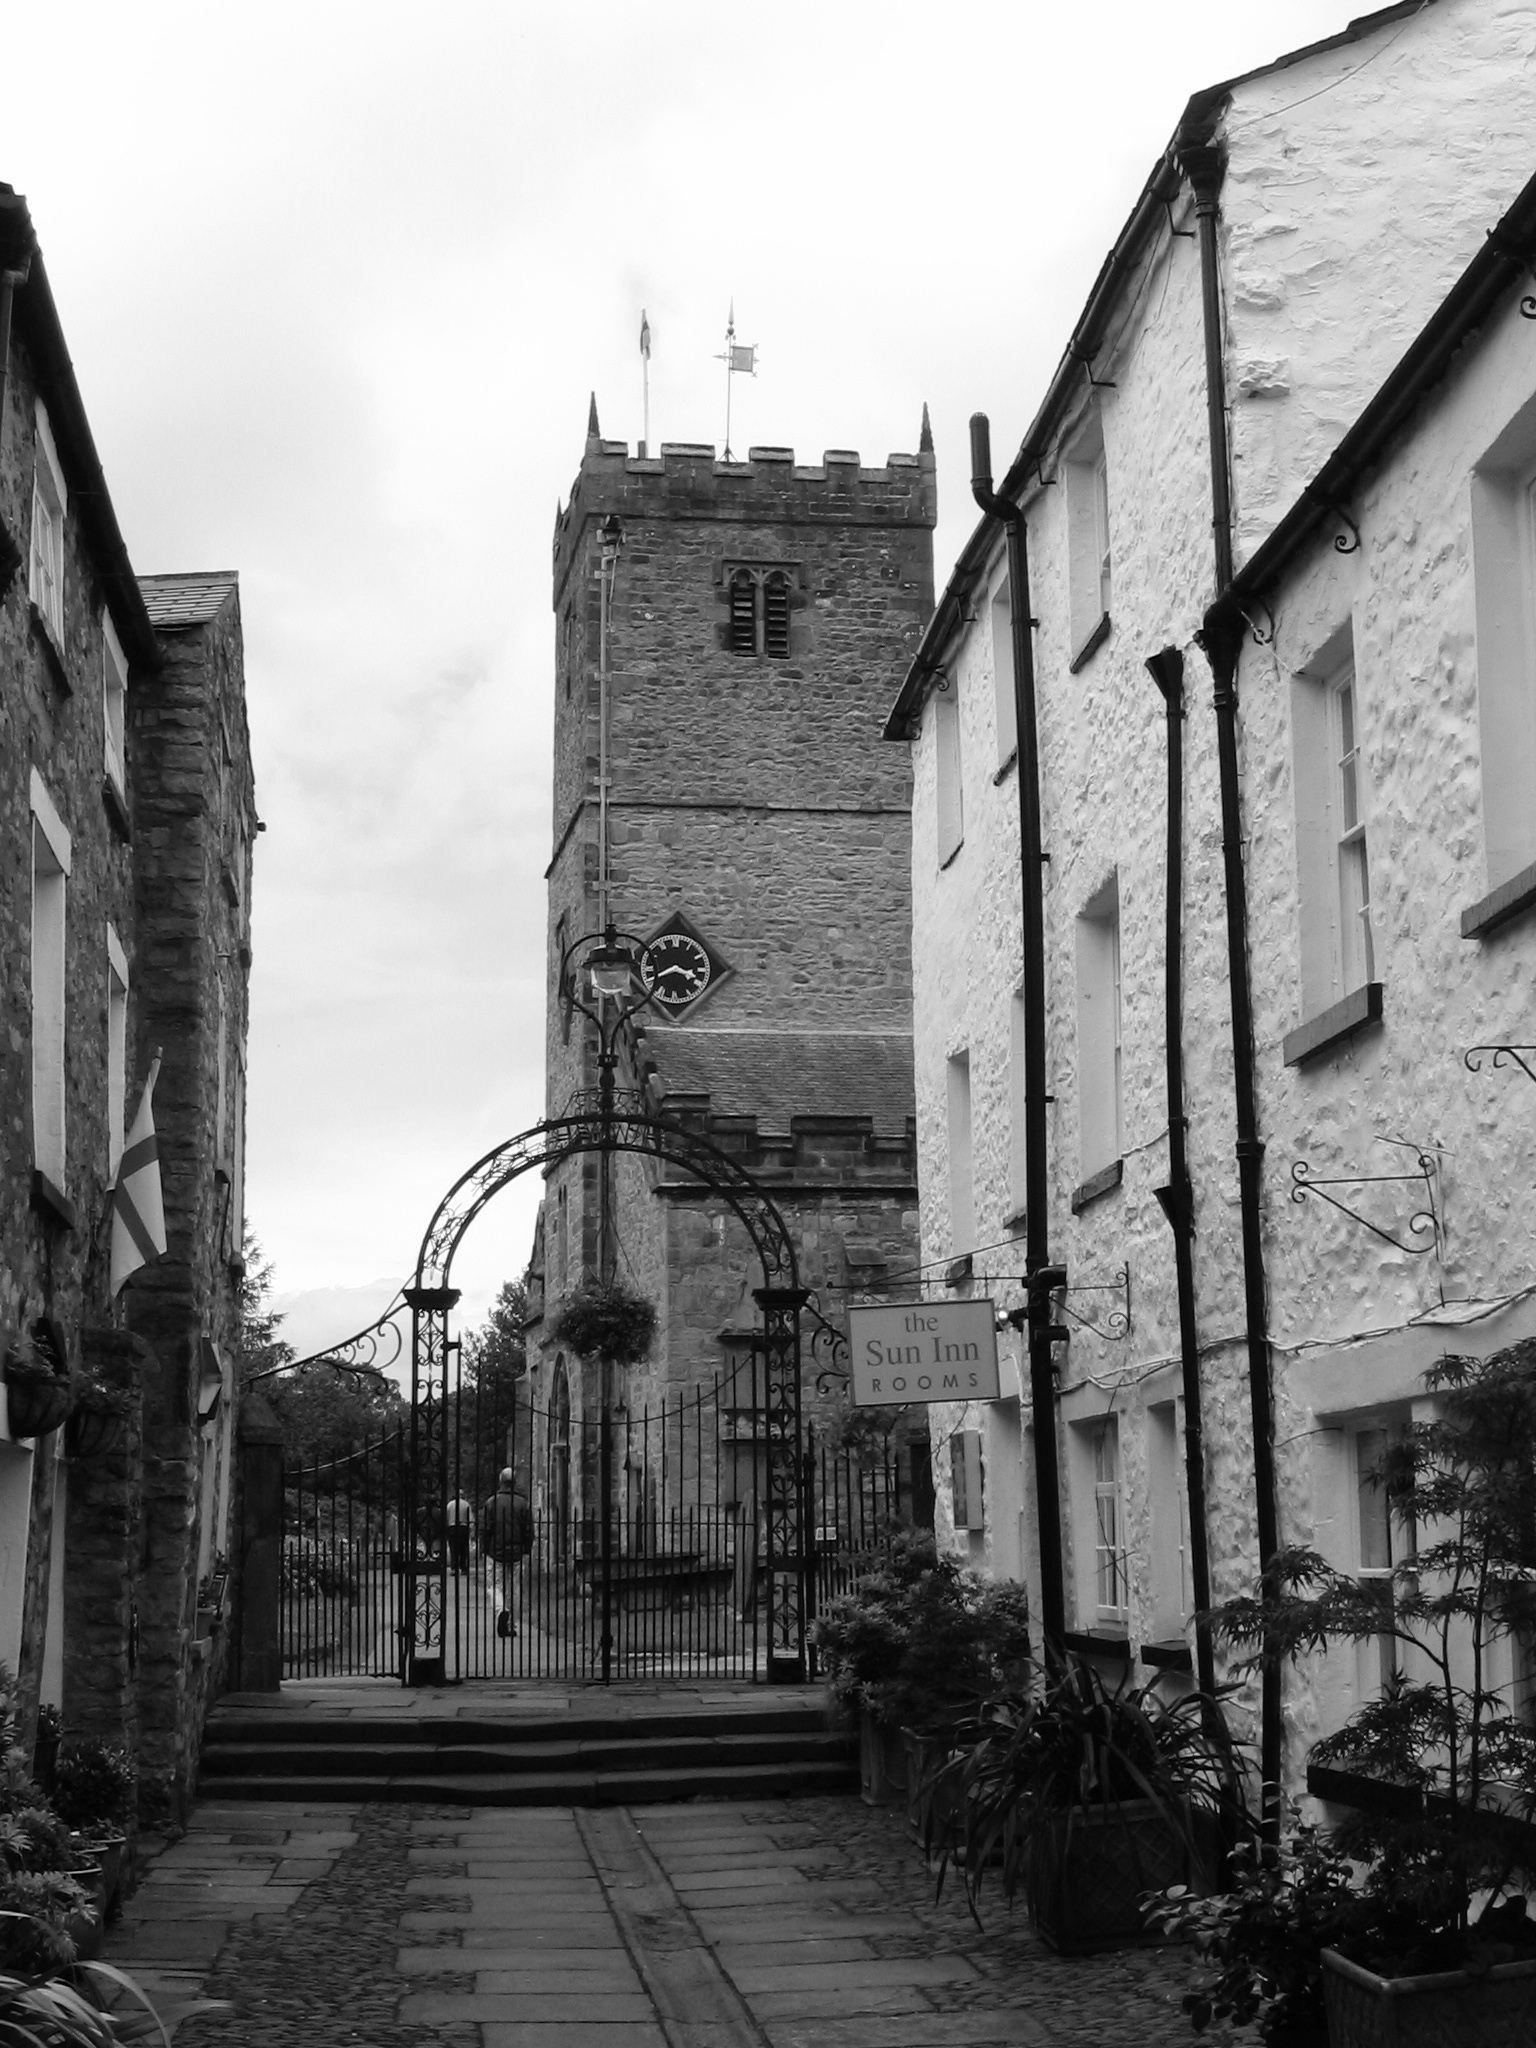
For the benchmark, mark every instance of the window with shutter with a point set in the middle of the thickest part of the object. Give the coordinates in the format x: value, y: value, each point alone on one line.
x: 776, y: 617
x: 743, y: 612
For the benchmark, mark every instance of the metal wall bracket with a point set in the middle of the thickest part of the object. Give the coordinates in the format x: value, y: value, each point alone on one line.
x: 1345, y: 543
x: 1423, y: 1223
x: 1117, y: 1324
x: 1503, y: 1055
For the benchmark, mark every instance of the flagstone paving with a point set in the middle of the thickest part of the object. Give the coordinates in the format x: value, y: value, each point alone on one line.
x: 806, y: 1923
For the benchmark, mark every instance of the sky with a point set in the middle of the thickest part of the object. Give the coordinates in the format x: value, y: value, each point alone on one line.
x: 338, y: 280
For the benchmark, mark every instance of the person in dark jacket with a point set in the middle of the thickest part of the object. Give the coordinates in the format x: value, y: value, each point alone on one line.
x: 506, y: 1534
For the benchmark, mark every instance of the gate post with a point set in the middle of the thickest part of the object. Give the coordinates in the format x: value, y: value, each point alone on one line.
x: 424, y: 1531
x: 259, y: 1655
x: 785, y: 1487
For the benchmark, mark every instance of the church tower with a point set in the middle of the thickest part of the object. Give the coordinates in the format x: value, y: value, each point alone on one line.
x: 729, y: 639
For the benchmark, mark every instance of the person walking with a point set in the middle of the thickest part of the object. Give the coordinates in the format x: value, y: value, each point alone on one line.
x: 461, y: 1518
x: 506, y: 1535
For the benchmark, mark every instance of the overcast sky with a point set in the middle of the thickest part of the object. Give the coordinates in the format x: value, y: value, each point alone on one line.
x: 337, y: 280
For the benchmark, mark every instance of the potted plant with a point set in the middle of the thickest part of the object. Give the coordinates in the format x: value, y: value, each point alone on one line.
x: 1084, y: 1796
x: 1441, y: 1768
x: 1260, y: 1942
x: 911, y: 1649
x: 606, y: 1322
x: 94, y: 1790
x: 39, y: 1390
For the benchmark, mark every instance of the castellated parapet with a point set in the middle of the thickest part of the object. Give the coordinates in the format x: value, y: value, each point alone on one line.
x: 688, y: 480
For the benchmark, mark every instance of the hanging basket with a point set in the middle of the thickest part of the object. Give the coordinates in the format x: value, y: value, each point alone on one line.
x: 91, y: 1431
x: 35, y: 1402
x: 606, y: 1322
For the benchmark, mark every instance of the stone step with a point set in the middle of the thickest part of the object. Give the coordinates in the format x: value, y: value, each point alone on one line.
x: 279, y: 1726
x: 554, y: 1788
x: 634, y: 1750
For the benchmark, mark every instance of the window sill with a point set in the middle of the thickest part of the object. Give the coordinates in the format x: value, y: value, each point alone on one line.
x: 1091, y: 1643
x: 1014, y: 1222
x: 1500, y: 905
x: 1170, y: 1656
x: 1090, y: 646
x: 52, y: 1202
x: 958, y: 1271
x: 1097, y: 1184
x: 1330, y: 1027
x: 1006, y: 769
x: 115, y: 804
x: 229, y: 885
x: 43, y: 627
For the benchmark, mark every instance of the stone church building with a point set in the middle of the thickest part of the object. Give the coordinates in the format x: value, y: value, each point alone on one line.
x: 729, y: 634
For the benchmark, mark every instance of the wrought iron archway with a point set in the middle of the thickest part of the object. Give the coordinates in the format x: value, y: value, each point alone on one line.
x: 598, y: 1125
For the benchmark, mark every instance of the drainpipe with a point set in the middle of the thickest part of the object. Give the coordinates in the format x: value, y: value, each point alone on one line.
x: 10, y: 278
x: 1039, y: 1275
x: 1203, y: 164
x: 1177, y: 1199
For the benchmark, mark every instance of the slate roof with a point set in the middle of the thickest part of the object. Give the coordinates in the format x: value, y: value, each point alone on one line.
x: 187, y: 600
x: 776, y: 1076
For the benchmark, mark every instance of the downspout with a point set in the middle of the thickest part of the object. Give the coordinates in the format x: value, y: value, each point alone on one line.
x: 10, y: 278
x: 1203, y: 164
x: 1039, y: 1275
x: 1167, y: 671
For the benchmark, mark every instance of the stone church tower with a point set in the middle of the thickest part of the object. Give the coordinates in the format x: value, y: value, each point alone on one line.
x: 740, y: 629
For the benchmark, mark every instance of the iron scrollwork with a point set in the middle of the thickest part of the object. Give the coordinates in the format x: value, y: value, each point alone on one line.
x: 1423, y: 1223
x: 1503, y: 1055
x: 1117, y: 1324
x: 830, y: 1358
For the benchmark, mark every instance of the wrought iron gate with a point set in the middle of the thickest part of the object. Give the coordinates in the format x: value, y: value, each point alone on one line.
x: 648, y: 1553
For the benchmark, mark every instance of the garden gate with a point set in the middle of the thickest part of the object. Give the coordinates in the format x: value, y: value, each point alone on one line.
x: 712, y: 1524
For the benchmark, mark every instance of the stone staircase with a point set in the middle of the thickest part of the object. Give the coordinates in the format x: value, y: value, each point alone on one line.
x: 583, y: 1757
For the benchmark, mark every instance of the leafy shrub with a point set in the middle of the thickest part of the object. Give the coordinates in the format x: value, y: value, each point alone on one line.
x: 920, y: 1640
x: 94, y: 1785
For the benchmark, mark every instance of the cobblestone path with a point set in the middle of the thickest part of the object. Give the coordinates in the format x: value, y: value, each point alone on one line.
x: 780, y: 1924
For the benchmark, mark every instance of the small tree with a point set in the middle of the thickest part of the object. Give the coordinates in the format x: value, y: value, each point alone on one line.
x: 260, y: 1346
x: 1465, y: 1754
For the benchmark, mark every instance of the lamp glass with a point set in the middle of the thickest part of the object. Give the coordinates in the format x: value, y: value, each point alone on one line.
x: 612, y: 970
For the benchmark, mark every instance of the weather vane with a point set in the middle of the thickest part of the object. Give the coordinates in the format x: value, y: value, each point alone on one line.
x: 740, y: 359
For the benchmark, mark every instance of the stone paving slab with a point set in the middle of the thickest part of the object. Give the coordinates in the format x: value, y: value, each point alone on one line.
x: 806, y: 1923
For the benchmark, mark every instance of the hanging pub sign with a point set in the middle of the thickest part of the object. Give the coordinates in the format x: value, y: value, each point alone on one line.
x: 923, y: 1351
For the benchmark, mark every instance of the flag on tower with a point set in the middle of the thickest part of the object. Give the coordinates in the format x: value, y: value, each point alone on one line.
x: 138, y: 1209
x: 645, y: 335
x: 744, y: 358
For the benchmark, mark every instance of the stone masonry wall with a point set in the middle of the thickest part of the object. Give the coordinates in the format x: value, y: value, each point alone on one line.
x: 196, y: 820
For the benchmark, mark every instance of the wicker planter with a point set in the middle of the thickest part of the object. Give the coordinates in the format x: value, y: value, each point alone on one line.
x: 1085, y: 1885
x: 36, y: 1404
x: 91, y: 1431
x: 882, y: 1761
x: 1493, y: 2010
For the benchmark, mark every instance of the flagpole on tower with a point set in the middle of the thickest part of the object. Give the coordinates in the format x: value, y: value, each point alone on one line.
x: 645, y: 384
x: 742, y: 359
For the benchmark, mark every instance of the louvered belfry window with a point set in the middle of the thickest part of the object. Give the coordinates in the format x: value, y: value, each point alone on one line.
x: 776, y: 616
x: 743, y: 612
x: 760, y: 613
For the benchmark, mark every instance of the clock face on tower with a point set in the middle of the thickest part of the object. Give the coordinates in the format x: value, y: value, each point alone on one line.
x: 676, y: 969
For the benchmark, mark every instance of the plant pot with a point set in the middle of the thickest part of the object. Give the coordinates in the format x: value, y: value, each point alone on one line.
x: 44, y: 1756
x: 1494, y: 2010
x: 1085, y: 1882
x: 36, y: 1406
x: 882, y: 1761
x: 933, y: 1811
x: 110, y: 1851
x: 85, y: 1927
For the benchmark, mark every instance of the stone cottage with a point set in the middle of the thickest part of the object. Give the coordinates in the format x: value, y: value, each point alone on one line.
x: 126, y: 818
x: 1222, y: 355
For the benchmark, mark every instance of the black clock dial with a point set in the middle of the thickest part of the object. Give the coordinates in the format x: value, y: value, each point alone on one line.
x: 676, y: 969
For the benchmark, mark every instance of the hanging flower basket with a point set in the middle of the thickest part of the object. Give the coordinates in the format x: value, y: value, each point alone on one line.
x: 606, y: 1322
x: 39, y: 1391
x: 98, y: 1420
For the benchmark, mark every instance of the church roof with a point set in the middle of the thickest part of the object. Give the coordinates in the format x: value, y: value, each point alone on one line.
x: 776, y: 1076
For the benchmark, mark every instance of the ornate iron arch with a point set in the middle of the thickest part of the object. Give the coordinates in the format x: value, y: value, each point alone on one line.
x: 591, y: 1125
